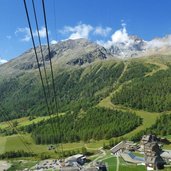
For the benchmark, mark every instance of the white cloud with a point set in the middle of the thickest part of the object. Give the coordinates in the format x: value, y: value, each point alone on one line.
x: 84, y: 31
x: 42, y: 32
x: 159, y: 42
x: 53, y: 42
x: 102, y: 31
x: 25, y: 32
x: 122, y: 36
x: 119, y: 36
x: 77, y: 32
x: 2, y: 61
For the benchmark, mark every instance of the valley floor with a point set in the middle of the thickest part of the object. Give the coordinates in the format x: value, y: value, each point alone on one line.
x: 11, y: 143
x: 113, y: 163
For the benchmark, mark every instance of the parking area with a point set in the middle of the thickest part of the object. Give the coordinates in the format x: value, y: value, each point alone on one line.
x: 47, y: 164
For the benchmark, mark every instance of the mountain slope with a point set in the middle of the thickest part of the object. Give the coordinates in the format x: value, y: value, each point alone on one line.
x: 77, y: 86
x: 71, y: 52
x: 85, y: 73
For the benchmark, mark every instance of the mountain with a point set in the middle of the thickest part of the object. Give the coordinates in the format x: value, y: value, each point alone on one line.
x: 65, y: 53
x: 84, y: 73
x: 133, y: 46
x: 76, y: 63
x: 87, y: 76
x: 20, y: 85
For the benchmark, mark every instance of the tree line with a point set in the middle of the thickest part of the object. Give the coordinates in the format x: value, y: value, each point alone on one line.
x: 162, y: 127
x: 77, y: 89
x: 96, y: 123
x: 151, y: 93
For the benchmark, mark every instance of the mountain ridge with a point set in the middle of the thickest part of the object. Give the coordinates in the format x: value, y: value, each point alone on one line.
x: 130, y: 47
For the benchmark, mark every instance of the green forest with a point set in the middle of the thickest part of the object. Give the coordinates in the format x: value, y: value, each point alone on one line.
x: 162, y: 125
x: 23, y: 96
x: 136, y: 70
x: 79, y: 91
x: 96, y: 123
x: 150, y: 93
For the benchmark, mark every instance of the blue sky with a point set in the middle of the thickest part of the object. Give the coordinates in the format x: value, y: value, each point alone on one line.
x: 96, y: 20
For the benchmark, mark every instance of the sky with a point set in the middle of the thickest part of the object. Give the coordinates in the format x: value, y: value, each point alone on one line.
x: 96, y: 20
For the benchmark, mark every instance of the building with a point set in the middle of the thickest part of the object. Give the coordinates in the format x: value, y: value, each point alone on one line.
x: 153, y: 160
x: 123, y: 145
x: 78, y: 158
x: 147, y: 139
x: 166, y: 155
x: 152, y: 149
x: 101, y: 166
x: 117, y: 149
x: 154, y: 163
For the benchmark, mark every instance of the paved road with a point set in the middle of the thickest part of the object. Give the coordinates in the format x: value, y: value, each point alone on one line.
x: 117, y: 166
x: 103, y: 153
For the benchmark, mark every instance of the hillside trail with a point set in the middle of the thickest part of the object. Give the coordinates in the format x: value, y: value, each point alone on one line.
x: 115, y: 85
x: 100, y: 156
x: 123, y: 72
x: 160, y: 67
x: 88, y: 148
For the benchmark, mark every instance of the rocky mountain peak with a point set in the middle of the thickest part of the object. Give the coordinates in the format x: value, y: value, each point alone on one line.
x: 65, y: 53
x: 132, y: 47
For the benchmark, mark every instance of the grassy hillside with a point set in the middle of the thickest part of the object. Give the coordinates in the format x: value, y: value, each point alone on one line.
x: 140, y: 87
